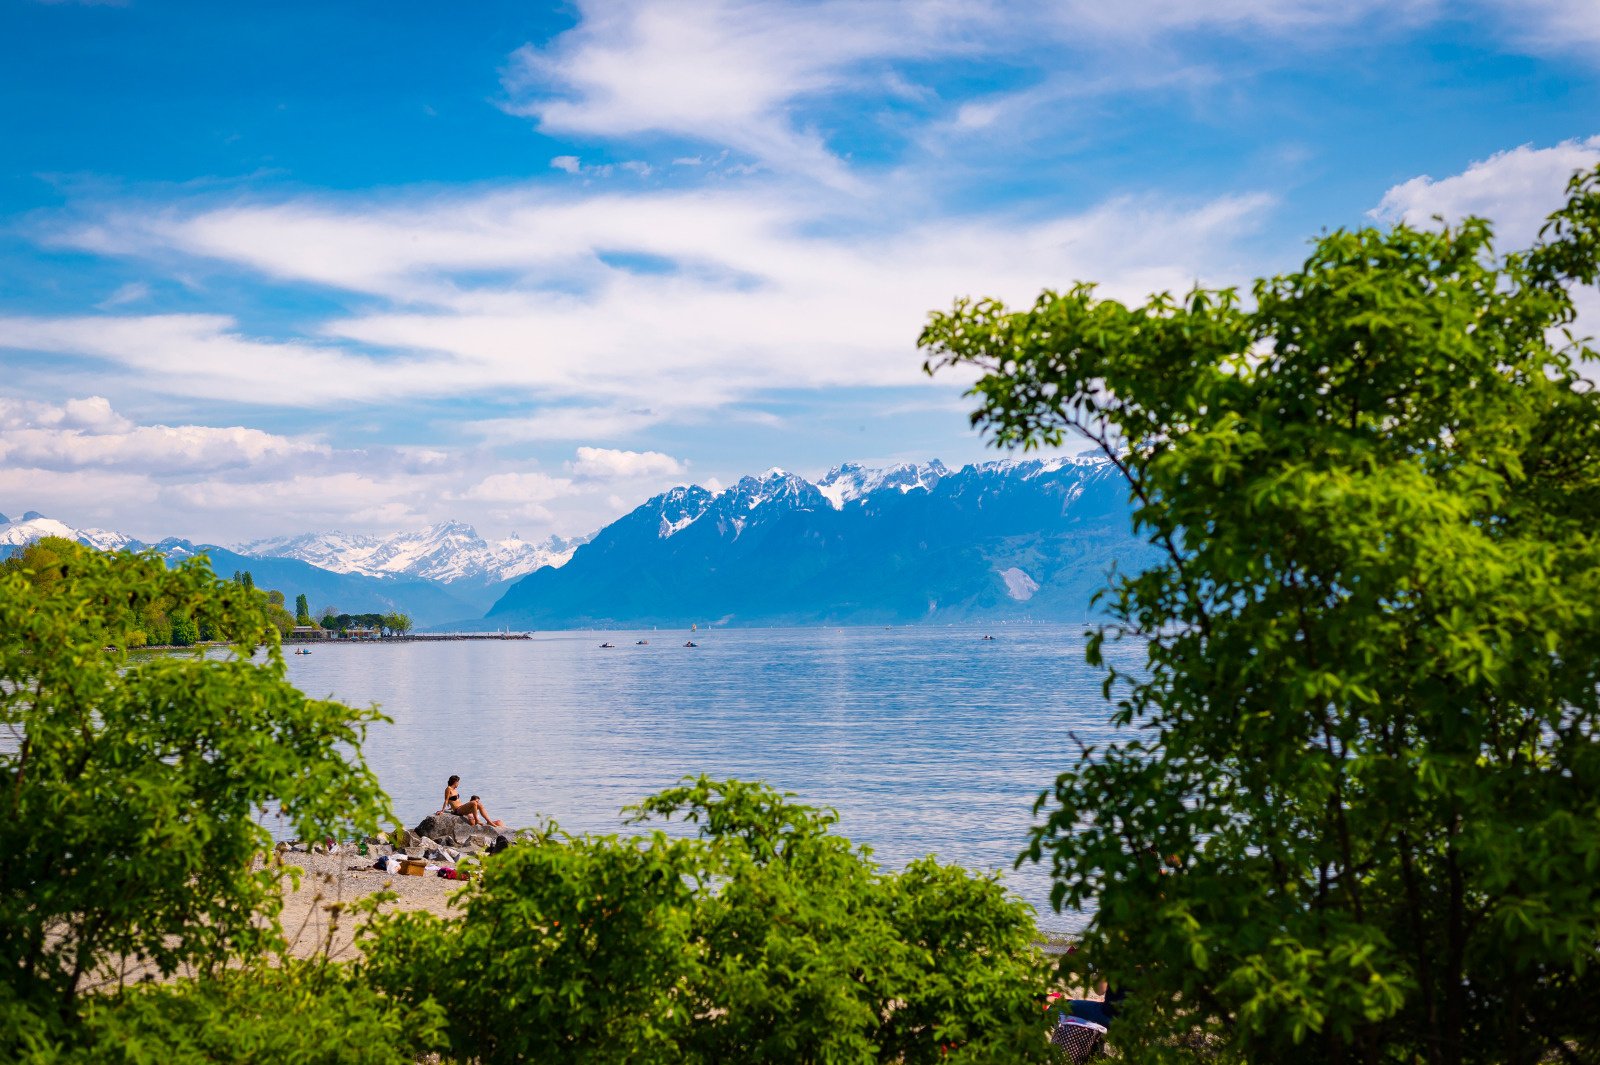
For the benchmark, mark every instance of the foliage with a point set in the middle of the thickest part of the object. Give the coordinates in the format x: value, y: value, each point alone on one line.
x: 299, y: 1013
x: 383, y: 623
x: 765, y: 937
x: 129, y: 785
x: 1367, y: 734
x: 302, y: 610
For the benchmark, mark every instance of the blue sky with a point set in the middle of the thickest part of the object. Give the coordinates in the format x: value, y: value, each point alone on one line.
x: 276, y: 268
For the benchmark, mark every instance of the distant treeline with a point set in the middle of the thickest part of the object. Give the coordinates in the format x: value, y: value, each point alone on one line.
x: 153, y: 621
x: 386, y: 624
x: 165, y: 621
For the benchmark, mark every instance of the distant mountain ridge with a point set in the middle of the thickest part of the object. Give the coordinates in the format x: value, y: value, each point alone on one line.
x: 19, y: 532
x: 448, y: 552
x: 915, y: 542
x: 430, y: 602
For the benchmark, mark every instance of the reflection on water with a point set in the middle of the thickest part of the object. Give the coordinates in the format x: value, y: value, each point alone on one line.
x: 924, y: 739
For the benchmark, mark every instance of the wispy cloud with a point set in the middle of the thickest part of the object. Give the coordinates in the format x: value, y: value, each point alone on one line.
x: 758, y: 76
x: 684, y: 300
x: 132, y: 292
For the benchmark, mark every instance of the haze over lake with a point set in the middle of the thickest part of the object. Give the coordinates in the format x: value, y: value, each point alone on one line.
x: 924, y: 739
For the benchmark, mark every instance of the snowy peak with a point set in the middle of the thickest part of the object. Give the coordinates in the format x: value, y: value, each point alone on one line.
x: 19, y: 532
x: 757, y: 497
x: 852, y: 481
x: 678, y: 508
x: 775, y: 487
x: 447, y: 552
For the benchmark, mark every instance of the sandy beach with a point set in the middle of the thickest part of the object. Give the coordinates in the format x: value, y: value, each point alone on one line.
x: 314, y: 917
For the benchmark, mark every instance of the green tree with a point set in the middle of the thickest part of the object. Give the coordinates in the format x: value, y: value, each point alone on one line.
x: 272, y: 606
x: 764, y: 938
x: 1355, y: 811
x: 302, y: 610
x: 185, y: 632
x: 129, y: 785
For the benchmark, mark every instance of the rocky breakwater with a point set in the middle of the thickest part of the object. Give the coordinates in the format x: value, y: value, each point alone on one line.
x: 441, y: 837
x: 448, y: 837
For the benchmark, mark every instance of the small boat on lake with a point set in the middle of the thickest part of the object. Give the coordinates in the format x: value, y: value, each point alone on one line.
x: 690, y: 643
x: 608, y: 645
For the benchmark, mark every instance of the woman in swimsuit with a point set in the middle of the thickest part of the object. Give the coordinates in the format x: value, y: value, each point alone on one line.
x: 472, y: 809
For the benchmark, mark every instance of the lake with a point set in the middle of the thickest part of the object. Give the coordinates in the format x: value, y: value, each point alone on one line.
x: 926, y: 740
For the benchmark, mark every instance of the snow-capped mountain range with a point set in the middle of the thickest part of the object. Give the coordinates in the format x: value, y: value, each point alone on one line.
x: 841, y: 487
x: 443, y: 575
x: 19, y: 532
x: 448, y: 552
x: 915, y: 541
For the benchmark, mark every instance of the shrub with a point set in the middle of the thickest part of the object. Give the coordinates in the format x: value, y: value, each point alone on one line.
x: 303, y: 1013
x: 765, y: 937
x: 128, y: 817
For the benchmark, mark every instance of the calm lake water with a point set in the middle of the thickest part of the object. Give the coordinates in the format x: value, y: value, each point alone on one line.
x: 926, y: 740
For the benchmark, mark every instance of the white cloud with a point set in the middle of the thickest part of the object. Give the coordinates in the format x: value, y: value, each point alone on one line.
x: 606, y: 464
x: 91, y: 412
x: 86, y: 464
x: 1515, y: 189
x: 569, y: 163
x: 665, y: 300
x: 83, y: 433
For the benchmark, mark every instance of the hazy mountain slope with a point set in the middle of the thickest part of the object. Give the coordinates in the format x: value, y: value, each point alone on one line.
x: 352, y: 593
x: 427, y: 602
x: 450, y: 552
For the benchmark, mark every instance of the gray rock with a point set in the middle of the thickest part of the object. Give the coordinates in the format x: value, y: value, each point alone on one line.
x: 450, y: 828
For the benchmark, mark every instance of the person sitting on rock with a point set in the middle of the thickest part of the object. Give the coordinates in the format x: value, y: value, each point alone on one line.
x: 472, y: 809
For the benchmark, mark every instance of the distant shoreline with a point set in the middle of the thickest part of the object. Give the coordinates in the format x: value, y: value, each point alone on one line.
x: 419, y: 637
x: 424, y: 637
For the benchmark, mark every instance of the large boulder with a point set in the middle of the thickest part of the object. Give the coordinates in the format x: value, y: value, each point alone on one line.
x: 447, y: 828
